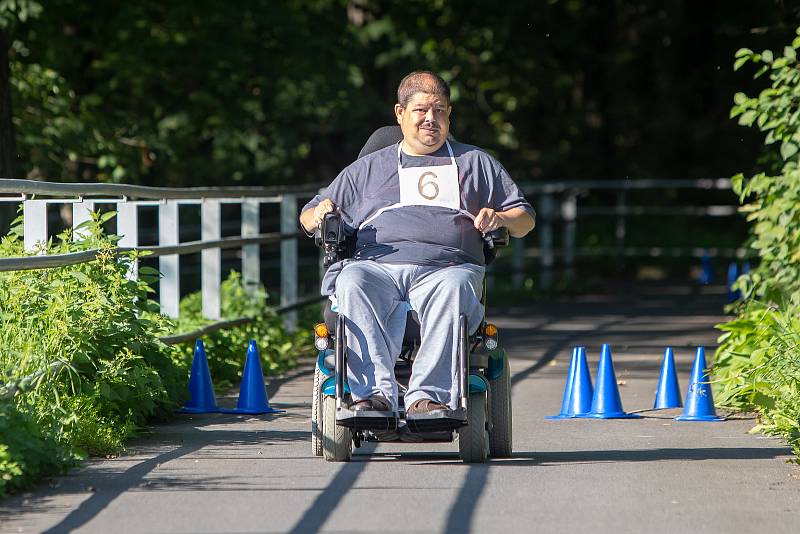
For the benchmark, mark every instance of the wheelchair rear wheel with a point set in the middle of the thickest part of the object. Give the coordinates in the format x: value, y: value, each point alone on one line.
x: 337, y: 441
x: 500, y: 414
x: 473, y: 439
x: 316, y: 414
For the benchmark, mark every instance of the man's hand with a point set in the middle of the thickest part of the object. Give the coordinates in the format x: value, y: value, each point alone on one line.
x: 312, y: 217
x: 322, y: 209
x: 488, y: 220
x: 518, y: 221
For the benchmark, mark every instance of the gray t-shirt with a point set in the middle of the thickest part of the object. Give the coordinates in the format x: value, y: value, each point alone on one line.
x: 420, y: 235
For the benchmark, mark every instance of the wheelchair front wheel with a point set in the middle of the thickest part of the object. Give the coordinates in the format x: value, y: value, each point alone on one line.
x: 500, y: 429
x: 316, y: 414
x: 337, y: 441
x: 473, y: 439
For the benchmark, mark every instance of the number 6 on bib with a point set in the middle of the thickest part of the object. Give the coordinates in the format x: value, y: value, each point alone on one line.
x: 430, y: 186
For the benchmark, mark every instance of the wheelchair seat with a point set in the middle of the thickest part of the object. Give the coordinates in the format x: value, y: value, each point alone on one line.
x: 410, y: 338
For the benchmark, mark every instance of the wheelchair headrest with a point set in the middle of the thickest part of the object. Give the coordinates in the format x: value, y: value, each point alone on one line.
x: 385, y: 136
x: 381, y: 138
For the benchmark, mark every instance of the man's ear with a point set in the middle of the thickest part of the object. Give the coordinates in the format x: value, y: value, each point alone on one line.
x: 398, y: 113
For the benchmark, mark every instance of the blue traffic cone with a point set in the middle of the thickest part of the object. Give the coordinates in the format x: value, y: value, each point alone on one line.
x: 699, y: 401
x: 668, y: 393
x: 606, y: 403
x: 200, y: 388
x: 253, y: 391
x: 580, y: 402
x: 707, y: 271
x: 565, y: 400
x: 733, y: 274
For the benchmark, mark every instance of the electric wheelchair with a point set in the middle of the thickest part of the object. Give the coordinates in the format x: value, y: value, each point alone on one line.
x: 482, y: 419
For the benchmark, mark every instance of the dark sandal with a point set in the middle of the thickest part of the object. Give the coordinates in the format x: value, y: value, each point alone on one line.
x: 425, y: 406
x: 376, y: 403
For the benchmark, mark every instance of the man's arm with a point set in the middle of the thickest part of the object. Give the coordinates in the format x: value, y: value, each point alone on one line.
x: 312, y: 217
x: 518, y: 221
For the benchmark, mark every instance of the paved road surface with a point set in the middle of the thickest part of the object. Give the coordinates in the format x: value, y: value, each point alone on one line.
x: 223, y: 473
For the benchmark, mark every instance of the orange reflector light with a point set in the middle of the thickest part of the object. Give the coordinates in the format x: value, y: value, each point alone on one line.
x: 490, y: 330
x: 320, y: 330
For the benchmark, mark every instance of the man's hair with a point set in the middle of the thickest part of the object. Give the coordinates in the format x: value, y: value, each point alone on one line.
x: 421, y: 81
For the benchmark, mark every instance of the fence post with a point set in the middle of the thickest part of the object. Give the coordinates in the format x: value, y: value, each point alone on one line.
x: 619, y: 232
x: 211, y: 258
x: 169, y: 265
x: 128, y: 229
x: 34, y: 223
x: 517, y: 262
x: 81, y: 212
x: 251, y: 254
x: 569, y: 212
x: 546, y: 242
x: 289, y: 258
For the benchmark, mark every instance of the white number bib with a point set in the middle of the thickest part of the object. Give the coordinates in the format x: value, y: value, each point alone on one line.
x: 430, y: 186
x: 426, y: 186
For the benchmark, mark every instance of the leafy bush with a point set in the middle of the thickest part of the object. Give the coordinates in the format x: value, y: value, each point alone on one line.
x: 82, y: 366
x: 226, y: 349
x: 26, y: 452
x: 758, y: 362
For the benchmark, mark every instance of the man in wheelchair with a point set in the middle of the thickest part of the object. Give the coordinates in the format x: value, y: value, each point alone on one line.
x: 417, y: 213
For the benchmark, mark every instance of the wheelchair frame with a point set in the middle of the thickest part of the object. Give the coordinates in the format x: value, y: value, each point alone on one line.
x: 482, y: 430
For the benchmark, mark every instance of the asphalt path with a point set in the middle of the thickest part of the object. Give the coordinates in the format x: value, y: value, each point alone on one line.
x: 227, y: 473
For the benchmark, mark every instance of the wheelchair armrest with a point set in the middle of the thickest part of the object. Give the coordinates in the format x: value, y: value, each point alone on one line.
x: 331, y: 237
x: 496, y: 238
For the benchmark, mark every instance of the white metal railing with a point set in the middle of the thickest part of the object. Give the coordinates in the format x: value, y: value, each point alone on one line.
x: 556, y: 204
x: 128, y: 199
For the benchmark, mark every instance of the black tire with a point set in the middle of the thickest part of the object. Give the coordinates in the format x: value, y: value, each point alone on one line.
x: 500, y: 422
x: 337, y: 441
x: 473, y: 439
x: 316, y: 414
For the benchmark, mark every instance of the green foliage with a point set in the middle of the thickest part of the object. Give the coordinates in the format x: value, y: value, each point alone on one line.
x: 89, y: 318
x: 175, y: 93
x: 13, y: 11
x: 758, y: 361
x: 226, y: 349
x: 81, y: 365
x: 26, y: 452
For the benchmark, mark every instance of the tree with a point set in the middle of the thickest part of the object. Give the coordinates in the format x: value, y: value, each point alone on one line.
x: 11, y: 12
x: 8, y: 147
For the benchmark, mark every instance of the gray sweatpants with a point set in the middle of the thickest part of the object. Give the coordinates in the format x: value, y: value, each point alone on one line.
x: 374, y: 299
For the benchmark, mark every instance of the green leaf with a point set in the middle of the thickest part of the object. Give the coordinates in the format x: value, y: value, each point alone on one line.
x: 788, y: 149
x: 107, y: 216
x: 747, y: 117
x: 80, y: 277
x: 790, y: 53
x: 150, y: 271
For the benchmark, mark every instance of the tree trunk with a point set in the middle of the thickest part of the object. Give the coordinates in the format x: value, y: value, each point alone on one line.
x: 8, y: 148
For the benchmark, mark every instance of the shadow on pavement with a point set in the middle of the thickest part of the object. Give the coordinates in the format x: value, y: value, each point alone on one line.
x: 109, y: 484
x: 599, y: 456
x: 459, y: 518
x: 642, y: 455
x: 326, y: 502
x: 559, y: 346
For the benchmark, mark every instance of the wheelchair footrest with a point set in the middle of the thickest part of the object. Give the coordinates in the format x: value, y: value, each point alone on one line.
x: 366, y: 420
x: 440, y: 420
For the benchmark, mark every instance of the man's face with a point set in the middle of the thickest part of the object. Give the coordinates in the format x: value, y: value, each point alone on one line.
x: 425, y: 122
